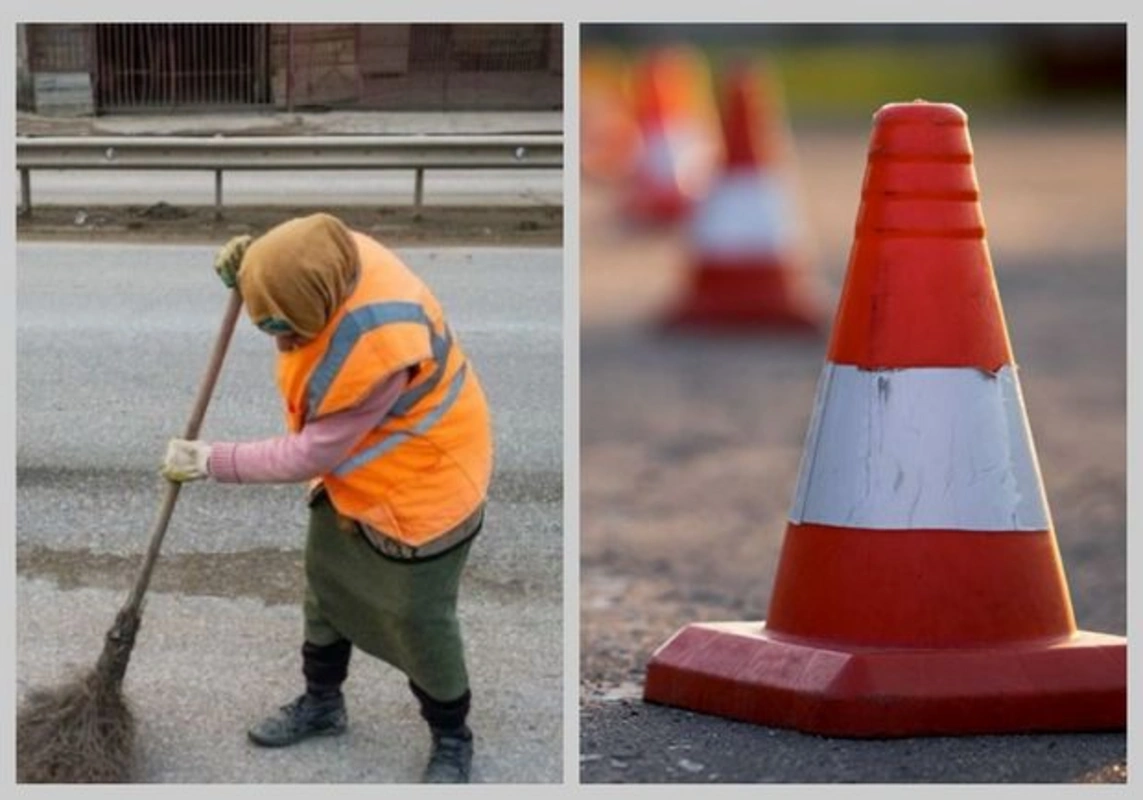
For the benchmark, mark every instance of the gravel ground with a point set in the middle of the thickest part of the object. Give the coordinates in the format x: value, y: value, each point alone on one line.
x: 529, y: 226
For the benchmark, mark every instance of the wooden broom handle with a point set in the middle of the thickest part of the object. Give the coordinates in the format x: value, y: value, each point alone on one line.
x: 205, y: 390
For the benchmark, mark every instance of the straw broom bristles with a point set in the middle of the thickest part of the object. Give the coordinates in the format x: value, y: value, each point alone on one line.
x: 82, y: 731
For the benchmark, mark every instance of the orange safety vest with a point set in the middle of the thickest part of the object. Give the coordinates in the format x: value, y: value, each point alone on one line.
x: 424, y: 470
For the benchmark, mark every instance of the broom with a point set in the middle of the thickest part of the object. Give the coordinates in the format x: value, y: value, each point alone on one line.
x: 84, y: 730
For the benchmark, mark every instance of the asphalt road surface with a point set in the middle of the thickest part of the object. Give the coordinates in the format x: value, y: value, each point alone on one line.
x: 347, y: 188
x: 690, y: 448
x: 111, y: 344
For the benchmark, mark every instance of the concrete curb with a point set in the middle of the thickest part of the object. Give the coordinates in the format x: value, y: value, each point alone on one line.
x: 332, y: 123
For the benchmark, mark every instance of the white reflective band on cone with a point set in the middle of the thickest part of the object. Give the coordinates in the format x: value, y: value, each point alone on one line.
x: 659, y: 160
x: 676, y: 156
x: 746, y: 213
x: 920, y: 448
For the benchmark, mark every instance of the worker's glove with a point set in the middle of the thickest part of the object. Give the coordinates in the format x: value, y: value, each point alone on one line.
x: 229, y: 259
x: 186, y: 461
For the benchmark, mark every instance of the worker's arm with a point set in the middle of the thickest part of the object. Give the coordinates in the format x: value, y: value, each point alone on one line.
x: 315, y: 450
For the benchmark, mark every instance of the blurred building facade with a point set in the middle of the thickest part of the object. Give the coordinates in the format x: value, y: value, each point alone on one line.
x: 94, y: 68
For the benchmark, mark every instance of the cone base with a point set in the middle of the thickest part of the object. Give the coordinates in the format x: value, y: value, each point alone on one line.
x: 650, y: 207
x: 740, y: 295
x: 742, y: 671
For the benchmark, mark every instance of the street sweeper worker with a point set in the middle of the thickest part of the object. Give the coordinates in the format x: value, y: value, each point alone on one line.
x: 389, y: 425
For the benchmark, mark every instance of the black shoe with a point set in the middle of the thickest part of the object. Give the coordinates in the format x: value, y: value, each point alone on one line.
x: 451, y: 759
x: 301, y: 719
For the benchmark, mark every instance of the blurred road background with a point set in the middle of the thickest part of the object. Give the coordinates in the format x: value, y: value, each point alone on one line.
x: 117, y: 308
x: 690, y: 445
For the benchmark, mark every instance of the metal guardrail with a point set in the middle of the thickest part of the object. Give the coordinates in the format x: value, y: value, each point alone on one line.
x: 221, y: 154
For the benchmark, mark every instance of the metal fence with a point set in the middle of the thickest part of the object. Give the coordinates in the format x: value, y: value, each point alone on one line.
x: 180, y: 65
x: 196, y: 66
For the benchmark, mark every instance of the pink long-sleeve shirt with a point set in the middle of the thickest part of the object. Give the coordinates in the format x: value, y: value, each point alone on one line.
x: 314, y: 450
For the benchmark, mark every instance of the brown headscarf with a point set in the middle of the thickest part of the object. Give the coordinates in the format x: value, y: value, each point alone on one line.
x: 294, y: 277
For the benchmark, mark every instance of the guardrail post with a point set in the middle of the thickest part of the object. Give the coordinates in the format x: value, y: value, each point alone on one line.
x: 217, y: 195
x: 26, y: 192
x: 419, y: 189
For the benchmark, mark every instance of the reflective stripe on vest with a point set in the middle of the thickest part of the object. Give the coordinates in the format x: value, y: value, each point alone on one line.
x: 441, y: 345
x: 356, y: 324
x: 389, y: 442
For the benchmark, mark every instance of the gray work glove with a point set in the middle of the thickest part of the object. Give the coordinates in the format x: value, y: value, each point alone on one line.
x: 186, y: 461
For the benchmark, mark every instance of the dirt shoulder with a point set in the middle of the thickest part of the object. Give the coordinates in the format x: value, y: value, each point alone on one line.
x: 527, y: 226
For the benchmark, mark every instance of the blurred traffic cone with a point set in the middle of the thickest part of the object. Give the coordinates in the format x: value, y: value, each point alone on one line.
x: 671, y: 89
x: 609, y: 134
x: 748, y: 269
x: 920, y: 589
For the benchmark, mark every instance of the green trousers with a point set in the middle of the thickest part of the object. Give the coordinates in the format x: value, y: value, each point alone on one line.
x: 403, y: 612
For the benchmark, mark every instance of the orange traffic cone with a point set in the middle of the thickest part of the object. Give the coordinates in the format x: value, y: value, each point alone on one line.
x: 748, y: 268
x: 609, y: 135
x: 920, y: 589
x: 678, y: 147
